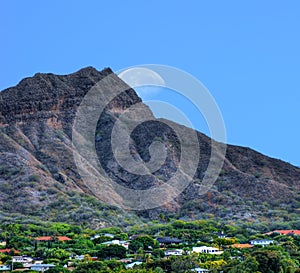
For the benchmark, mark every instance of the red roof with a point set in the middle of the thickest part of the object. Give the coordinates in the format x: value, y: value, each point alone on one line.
x: 242, y: 245
x: 50, y: 238
x: 7, y: 250
x: 285, y: 232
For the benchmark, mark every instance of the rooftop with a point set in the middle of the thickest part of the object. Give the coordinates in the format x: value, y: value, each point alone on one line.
x: 52, y: 238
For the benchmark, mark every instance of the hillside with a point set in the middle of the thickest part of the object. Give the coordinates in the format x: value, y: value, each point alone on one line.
x: 39, y: 178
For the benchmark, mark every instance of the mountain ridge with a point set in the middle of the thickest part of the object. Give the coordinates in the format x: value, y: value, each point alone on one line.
x: 38, y: 169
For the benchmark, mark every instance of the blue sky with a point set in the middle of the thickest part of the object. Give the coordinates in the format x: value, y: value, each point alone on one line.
x: 247, y: 53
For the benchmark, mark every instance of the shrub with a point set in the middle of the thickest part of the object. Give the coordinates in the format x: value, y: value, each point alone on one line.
x: 34, y: 178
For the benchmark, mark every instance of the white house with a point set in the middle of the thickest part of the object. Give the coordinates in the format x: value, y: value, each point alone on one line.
x: 108, y: 235
x: 104, y: 235
x: 200, y: 270
x: 22, y: 259
x: 117, y: 242
x: 4, y: 267
x: 41, y: 267
x: 173, y: 252
x: 207, y: 249
x: 261, y: 242
x: 79, y: 257
x: 133, y: 264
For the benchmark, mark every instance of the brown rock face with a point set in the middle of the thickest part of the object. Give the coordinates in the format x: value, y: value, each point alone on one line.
x: 38, y: 175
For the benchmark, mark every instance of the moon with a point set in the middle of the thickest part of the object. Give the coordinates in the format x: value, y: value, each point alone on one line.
x: 140, y: 76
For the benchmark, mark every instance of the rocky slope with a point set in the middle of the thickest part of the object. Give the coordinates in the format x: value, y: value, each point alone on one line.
x: 39, y: 178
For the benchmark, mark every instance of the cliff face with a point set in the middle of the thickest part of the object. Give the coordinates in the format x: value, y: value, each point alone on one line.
x: 38, y: 175
x: 49, y: 98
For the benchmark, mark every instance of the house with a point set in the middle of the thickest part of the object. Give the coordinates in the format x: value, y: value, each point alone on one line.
x: 207, y: 249
x: 173, y: 252
x: 4, y: 267
x: 41, y: 267
x: 241, y: 246
x: 125, y: 261
x: 103, y: 235
x: 285, y: 232
x: 221, y: 235
x: 53, y: 238
x: 78, y: 257
x: 168, y: 241
x: 132, y: 237
x: 108, y: 235
x: 37, y: 260
x: 117, y: 242
x: 261, y: 242
x: 200, y: 270
x: 24, y: 260
x: 95, y: 237
x: 9, y: 250
x: 81, y: 257
x: 132, y: 264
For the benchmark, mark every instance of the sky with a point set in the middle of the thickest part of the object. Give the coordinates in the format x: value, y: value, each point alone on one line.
x: 246, y: 53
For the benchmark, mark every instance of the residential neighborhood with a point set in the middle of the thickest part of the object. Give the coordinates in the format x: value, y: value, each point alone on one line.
x: 175, y: 247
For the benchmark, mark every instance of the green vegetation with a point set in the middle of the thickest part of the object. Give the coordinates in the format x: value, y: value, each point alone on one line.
x: 82, y: 249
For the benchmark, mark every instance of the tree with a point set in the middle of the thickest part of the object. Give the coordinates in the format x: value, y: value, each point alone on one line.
x: 18, y: 265
x: 158, y: 253
x: 290, y: 247
x: 91, y: 267
x: 57, y: 269
x: 112, y: 251
x: 101, y: 239
x: 165, y: 264
x: 122, y: 236
x: 4, y: 258
x: 57, y: 253
x: 268, y: 260
x: 214, y: 264
x: 250, y: 265
x: 158, y: 270
x: 114, y: 265
x: 135, y: 245
x: 183, y: 264
x: 148, y: 258
x: 224, y: 241
x: 162, y: 217
x: 8, y: 231
x: 87, y: 258
x: 144, y: 241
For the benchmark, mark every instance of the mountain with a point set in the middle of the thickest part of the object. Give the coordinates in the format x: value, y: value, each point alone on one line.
x: 40, y: 177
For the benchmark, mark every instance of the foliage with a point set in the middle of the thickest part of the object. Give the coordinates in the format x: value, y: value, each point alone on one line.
x: 183, y: 264
x: 57, y: 269
x: 145, y: 242
x: 91, y: 267
x: 268, y: 261
x: 281, y: 257
x: 112, y: 251
x: 248, y: 266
